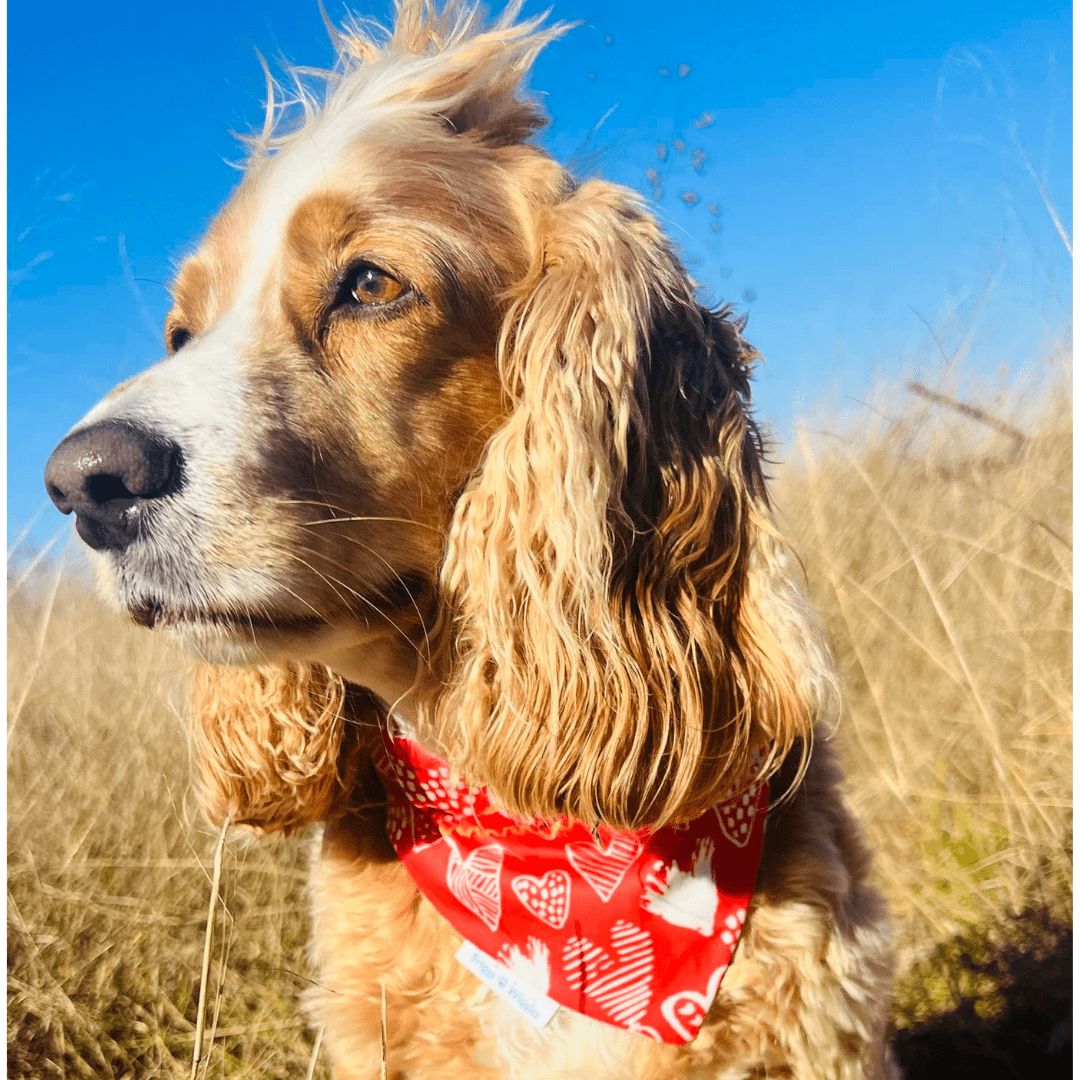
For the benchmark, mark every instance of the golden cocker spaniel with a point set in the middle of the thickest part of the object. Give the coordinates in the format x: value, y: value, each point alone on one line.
x: 455, y: 483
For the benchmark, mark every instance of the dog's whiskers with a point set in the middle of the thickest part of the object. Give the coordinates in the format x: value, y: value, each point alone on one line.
x: 401, y: 581
x: 345, y: 520
x: 350, y: 516
x: 334, y: 582
x: 314, y: 610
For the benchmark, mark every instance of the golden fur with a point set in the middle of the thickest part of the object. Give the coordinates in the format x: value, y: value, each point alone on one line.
x: 523, y: 507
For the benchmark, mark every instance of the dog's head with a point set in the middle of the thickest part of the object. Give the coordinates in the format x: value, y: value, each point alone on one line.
x: 441, y: 418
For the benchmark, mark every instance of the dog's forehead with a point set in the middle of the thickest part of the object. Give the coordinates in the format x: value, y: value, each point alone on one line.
x: 328, y: 192
x: 311, y: 164
x: 241, y: 252
x: 285, y: 187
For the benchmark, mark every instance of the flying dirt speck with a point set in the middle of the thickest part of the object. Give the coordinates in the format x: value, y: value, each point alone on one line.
x: 657, y: 182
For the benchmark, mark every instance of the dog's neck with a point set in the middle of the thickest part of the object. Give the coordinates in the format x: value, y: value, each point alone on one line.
x: 385, y: 664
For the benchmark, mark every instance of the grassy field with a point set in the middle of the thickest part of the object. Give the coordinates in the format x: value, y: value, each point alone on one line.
x: 938, y: 548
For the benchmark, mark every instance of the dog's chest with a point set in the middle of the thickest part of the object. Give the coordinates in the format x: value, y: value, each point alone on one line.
x: 569, y: 1047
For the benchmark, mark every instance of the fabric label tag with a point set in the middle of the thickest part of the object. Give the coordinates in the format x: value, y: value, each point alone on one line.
x: 529, y: 1002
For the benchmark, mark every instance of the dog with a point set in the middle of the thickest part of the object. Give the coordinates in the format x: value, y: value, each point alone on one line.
x: 453, y: 487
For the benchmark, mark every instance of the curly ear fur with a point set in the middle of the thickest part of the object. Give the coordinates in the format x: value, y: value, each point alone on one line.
x: 279, y: 746
x: 611, y: 570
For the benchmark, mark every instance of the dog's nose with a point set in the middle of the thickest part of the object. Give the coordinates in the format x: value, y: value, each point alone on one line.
x: 105, y: 473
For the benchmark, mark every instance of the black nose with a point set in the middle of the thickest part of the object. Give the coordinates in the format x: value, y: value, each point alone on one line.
x: 106, y: 473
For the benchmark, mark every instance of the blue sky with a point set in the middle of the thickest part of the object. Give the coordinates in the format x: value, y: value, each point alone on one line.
x: 871, y: 173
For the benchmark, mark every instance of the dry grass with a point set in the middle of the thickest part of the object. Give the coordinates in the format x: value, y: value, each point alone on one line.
x: 109, y: 870
x: 938, y: 547
x: 941, y: 560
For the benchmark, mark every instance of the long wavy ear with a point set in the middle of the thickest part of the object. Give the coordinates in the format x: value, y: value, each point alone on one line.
x: 279, y: 746
x: 625, y: 636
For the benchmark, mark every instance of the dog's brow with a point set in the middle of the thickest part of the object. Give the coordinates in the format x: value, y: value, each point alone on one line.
x: 284, y: 183
x: 193, y: 293
x: 324, y: 225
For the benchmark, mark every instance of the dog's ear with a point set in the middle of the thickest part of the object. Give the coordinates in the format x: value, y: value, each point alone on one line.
x: 622, y: 637
x: 279, y: 746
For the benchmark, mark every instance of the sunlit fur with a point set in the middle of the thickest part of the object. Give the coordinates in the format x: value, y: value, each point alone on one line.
x: 599, y: 564
x: 282, y: 745
x: 529, y: 516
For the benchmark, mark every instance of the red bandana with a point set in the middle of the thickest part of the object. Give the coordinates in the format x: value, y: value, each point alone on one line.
x: 636, y: 930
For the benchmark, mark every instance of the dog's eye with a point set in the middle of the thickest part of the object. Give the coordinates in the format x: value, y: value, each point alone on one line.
x: 367, y: 285
x: 178, y: 338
